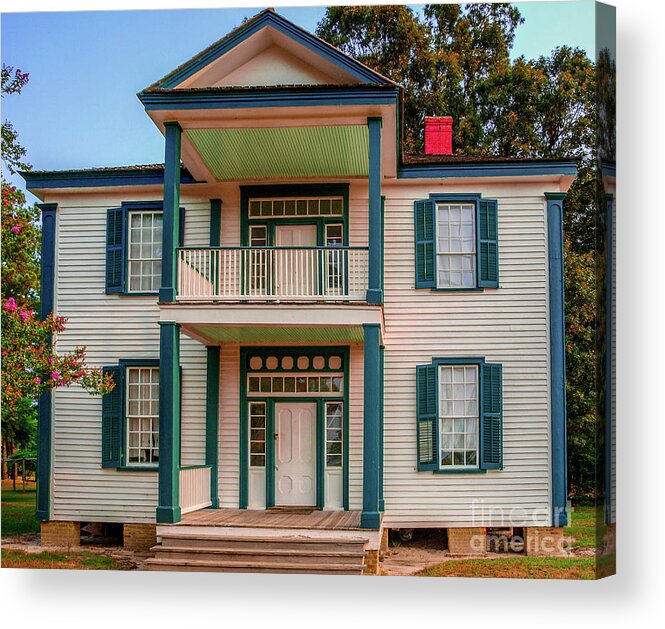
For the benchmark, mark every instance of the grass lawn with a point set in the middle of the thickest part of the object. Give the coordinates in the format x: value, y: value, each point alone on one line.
x: 587, y: 527
x: 516, y: 568
x: 18, y: 512
x: 73, y: 561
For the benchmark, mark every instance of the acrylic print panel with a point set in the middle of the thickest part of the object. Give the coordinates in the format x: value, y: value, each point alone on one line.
x: 297, y: 376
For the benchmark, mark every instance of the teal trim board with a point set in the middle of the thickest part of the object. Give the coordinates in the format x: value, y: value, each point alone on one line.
x: 47, y: 303
x: 374, y: 292
x: 557, y: 357
x: 370, y: 517
x: 168, y: 509
x: 212, y: 420
x: 608, y: 347
x: 171, y: 212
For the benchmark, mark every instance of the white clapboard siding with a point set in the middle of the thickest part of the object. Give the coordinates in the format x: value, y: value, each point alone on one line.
x: 111, y: 327
x: 508, y: 325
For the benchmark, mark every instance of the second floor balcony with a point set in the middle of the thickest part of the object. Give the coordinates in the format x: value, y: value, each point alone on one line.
x: 256, y: 274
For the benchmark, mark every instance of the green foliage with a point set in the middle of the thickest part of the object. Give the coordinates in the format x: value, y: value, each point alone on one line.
x: 13, y: 154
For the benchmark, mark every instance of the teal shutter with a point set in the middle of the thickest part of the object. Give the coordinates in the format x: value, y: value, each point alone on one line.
x: 425, y: 247
x: 181, y: 231
x: 112, y: 414
x: 115, y: 256
x: 488, y: 244
x: 426, y: 405
x: 491, y: 420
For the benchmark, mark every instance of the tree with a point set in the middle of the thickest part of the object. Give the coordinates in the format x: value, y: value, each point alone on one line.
x: 13, y: 81
x: 455, y: 61
x: 30, y: 366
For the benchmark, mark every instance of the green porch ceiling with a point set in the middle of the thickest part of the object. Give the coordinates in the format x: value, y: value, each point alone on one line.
x: 230, y: 154
x: 305, y: 335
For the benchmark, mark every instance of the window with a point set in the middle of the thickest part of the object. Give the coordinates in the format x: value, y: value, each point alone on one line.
x: 144, y: 260
x: 456, y: 245
x: 459, y: 414
x: 257, y: 434
x: 292, y: 207
x: 142, y: 415
x: 334, y: 441
x: 130, y: 416
x: 456, y: 242
x: 134, y: 247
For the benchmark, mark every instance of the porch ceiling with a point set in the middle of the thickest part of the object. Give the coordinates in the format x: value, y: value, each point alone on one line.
x: 284, y: 152
x: 236, y: 334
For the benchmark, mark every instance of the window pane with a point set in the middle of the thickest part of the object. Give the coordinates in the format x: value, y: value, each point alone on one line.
x: 456, y: 245
x: 142, y: 412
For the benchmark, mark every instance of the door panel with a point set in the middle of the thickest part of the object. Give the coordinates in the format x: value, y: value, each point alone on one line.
x: 295, y: 453
x: 296, y: 271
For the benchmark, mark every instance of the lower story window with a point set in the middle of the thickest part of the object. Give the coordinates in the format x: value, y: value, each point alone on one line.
x: 458, y: 416
x: 257, y: 434
x: 334, y: 415
x: 142, y: 415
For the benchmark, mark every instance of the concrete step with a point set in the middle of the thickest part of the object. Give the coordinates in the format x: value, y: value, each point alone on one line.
x: 197, y: 565
x: 272, y: 556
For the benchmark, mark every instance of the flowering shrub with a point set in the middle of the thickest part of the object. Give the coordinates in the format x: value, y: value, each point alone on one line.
x: 29, y: 365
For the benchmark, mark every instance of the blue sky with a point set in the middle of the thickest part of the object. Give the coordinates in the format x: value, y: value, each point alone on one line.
x: 79, y: 109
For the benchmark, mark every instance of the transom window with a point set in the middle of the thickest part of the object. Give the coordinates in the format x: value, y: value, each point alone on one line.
x: 458, y: 416
x: 142, y: 413
x: 456, y: 245
x: 276, y: 208
x: 295, y: 383
x: 144, y: 260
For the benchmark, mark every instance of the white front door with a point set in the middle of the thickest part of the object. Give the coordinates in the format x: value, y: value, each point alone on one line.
x: 296, y: 271
x: 295, y: 453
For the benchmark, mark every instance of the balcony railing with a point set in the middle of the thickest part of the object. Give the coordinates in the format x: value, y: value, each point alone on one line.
x: 194, y: 488
x: 273, y: 273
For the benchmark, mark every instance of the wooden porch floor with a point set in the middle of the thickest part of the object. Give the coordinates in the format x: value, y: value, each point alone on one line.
x: 315, y: 519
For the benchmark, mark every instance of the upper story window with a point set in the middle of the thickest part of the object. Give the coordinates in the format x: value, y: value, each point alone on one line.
x: 134, y: 247
x: 285, y: 208
x: 456, y: 242
x: 456, y: 245
x: 144, y: 260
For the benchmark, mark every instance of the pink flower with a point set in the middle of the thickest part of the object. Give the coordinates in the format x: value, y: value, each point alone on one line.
x: 16, y: 229
x: 38, y: 380
x: 51, y: 360
x: 11, y: 306
x: 78, y: 374
x: 55, y: 375
x: 24, y: 315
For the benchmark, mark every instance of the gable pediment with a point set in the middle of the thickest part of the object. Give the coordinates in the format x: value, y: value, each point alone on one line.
x: 267, y: 51
x: 268, y: 58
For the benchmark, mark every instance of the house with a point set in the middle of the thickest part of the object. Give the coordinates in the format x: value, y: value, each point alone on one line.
x: 314, y: 336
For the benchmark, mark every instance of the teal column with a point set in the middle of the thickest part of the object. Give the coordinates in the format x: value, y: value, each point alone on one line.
x: 557, y: 358
x: 168, y: 508
x: 47, y: 304
x: 382, y: 351
x: 370, y: 517
x: 212, y: 420
x: 171, y: 211
x: 374, y: 289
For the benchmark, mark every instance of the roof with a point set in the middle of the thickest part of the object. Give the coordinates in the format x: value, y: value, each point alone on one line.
x: 269, y: 17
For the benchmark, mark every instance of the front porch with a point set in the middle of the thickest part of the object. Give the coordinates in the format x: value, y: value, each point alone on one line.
x: 272, y: 541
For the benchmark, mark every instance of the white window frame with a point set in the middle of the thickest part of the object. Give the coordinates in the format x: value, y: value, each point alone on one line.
x: 440, y: 255
x: 331, y: 441
x: 311, y: 203
x: 138, y: 261
x: 455, y: 417
x: 264, y: 429
x: 152, y: 417
x: 307, y: 376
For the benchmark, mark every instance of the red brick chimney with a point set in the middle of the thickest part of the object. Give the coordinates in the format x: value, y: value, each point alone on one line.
x: 438, y: 135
